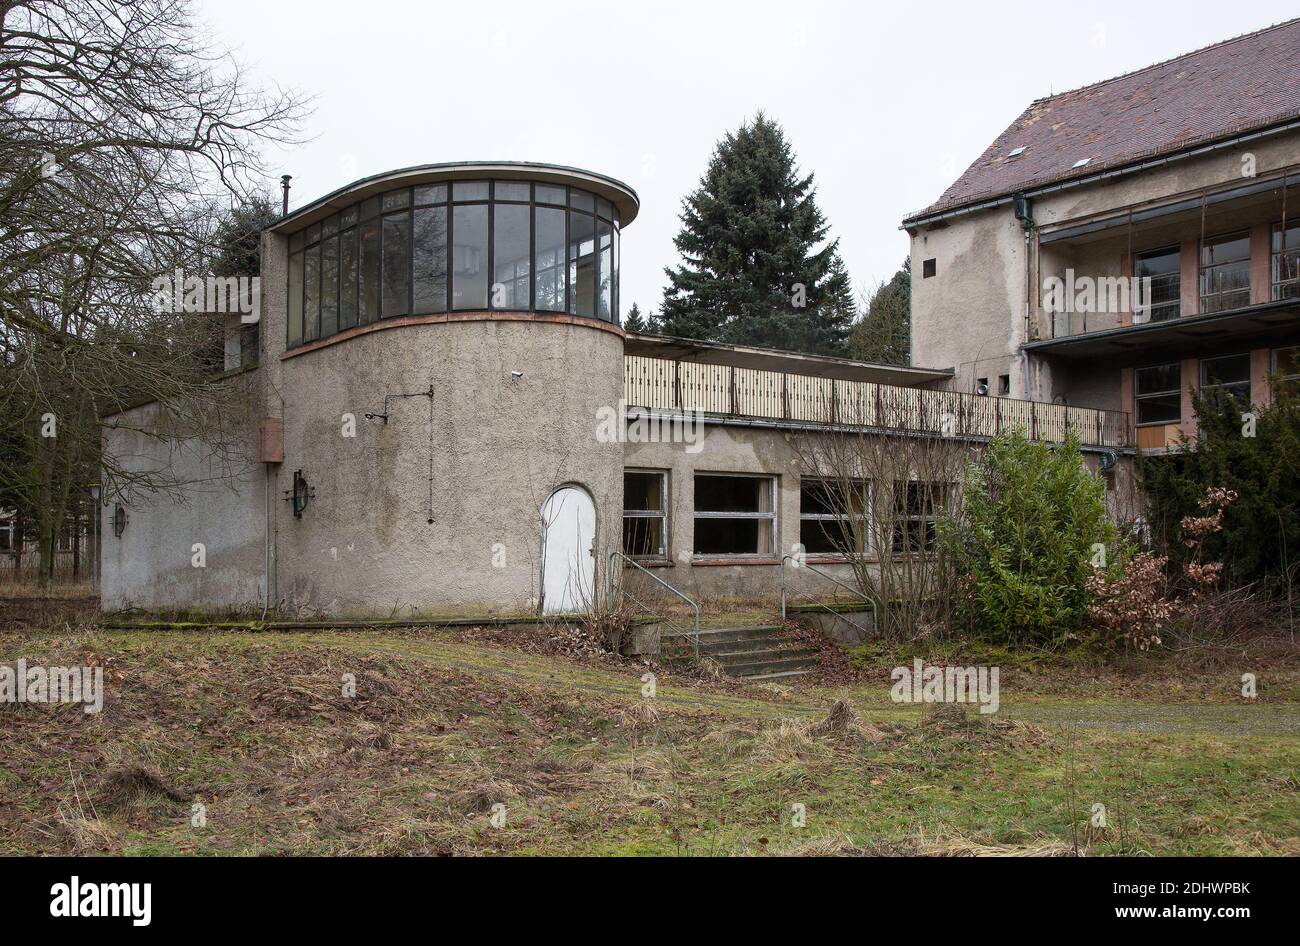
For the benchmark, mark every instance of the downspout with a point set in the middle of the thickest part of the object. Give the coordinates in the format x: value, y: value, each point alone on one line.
x: 266, y: 562
x: 1024, y: 211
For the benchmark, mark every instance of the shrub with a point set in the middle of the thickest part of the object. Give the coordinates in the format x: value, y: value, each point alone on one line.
x: 1130, y: 604
x: 1032, y: 521
x: 1260, y: 534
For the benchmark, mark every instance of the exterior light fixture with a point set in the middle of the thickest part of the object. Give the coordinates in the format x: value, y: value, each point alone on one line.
x: 119, y: 520
x: 301, y: 494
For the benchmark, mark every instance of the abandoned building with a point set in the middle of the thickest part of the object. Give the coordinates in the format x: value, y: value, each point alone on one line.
x: 444, y: 416
x: 1124, y: 244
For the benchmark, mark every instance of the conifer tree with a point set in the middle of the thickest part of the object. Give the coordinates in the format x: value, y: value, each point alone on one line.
x: 758, y: 267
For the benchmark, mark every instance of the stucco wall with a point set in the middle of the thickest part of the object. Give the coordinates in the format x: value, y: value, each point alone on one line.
x: 968, y: 316
x: 500, y: 444
x: 971, y: 314
x: 211, y: 497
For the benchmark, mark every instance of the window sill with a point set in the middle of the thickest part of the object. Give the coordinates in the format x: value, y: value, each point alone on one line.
x: 733, y: 560
x: 654, y: 561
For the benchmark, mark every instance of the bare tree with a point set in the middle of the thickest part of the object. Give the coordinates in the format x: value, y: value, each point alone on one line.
x: 886, y: 488
x: 123, y: 136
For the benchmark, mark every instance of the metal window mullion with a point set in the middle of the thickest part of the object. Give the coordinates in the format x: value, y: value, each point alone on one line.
x: 491, y: 238
x: 532, y: 246
x: 568, y: 214
x: 451, y: 214
x: 410, y: 253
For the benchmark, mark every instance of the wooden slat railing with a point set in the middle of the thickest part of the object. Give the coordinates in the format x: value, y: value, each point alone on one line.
x: 665, y: 384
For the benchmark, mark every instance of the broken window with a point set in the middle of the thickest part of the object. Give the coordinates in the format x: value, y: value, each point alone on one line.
x: 917, y: 507
x: 734, y: 515
x: 1165, y: 299
x: 1225, y: 272
x: 833, y: 516
x: 645, y: 513
x: 1286, y: 262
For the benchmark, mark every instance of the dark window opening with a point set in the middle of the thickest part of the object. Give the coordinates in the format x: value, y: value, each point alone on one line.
x: 248, y: 344
x: 1004, y: 385
x: 734, y: 515
x: 928, y: 268
x: 1157, y: 394
x: 917, y: 507
x: 1227, y: 376
x: 833, y: 517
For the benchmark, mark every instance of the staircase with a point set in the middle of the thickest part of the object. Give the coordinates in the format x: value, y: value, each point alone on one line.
x: 760, y: 652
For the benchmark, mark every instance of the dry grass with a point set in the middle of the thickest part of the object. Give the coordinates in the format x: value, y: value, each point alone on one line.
x: 258, y: 728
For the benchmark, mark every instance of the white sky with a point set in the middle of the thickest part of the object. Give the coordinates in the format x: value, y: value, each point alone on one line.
x: 887, y: 104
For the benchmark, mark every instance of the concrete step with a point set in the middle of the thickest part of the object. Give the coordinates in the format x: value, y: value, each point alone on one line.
x: 767, y: 667
x: 711, y: 650
x: 730, y: 658
x: 779, y: 675
x: 843, y: 607
x: 724, y: 633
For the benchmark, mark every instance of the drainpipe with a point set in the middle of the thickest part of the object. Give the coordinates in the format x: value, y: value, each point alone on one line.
x: 94, y: 540
x: 266, y: 562
x: 1024, y: 210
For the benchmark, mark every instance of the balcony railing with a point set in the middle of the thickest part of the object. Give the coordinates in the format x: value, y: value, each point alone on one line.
x: 665, y: 384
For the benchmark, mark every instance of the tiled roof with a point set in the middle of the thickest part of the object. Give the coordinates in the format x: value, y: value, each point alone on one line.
x: 1234, y: 86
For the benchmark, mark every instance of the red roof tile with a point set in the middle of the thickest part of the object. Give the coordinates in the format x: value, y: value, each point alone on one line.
x: 1237, y: 85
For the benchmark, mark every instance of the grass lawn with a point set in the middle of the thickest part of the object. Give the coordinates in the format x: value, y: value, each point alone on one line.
x: 446, y: 726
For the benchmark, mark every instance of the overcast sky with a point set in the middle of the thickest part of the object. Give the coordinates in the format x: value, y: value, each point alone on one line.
x: 886, y: 104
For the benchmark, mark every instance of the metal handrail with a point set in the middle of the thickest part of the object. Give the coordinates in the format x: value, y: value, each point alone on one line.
x: 610, y: 592
x: 817, y: 571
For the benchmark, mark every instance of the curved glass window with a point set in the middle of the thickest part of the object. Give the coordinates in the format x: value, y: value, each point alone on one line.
x: 463, y: 246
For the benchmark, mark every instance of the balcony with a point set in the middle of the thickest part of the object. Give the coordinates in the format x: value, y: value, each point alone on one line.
x: 1183, y: 277
x: 663, y: 384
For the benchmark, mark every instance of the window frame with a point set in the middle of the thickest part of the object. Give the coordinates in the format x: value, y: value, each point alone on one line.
x: 868, y: 515
x: 1207, y: 388
x: 663, y: 515
x: 352, y: 221
x: 1206, y: 298
x: 772, y: 516
x: 1278, y: 248
x: 1178, y: 391
x: 1176, y: 306
x: 1274, y: 362
x: 932, y: 517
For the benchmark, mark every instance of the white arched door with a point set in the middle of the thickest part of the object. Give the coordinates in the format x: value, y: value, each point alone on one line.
x: 568, y: 556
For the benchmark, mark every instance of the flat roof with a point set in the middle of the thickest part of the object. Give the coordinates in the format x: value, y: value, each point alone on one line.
x: 616, y: 192
x: 772, y: 359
